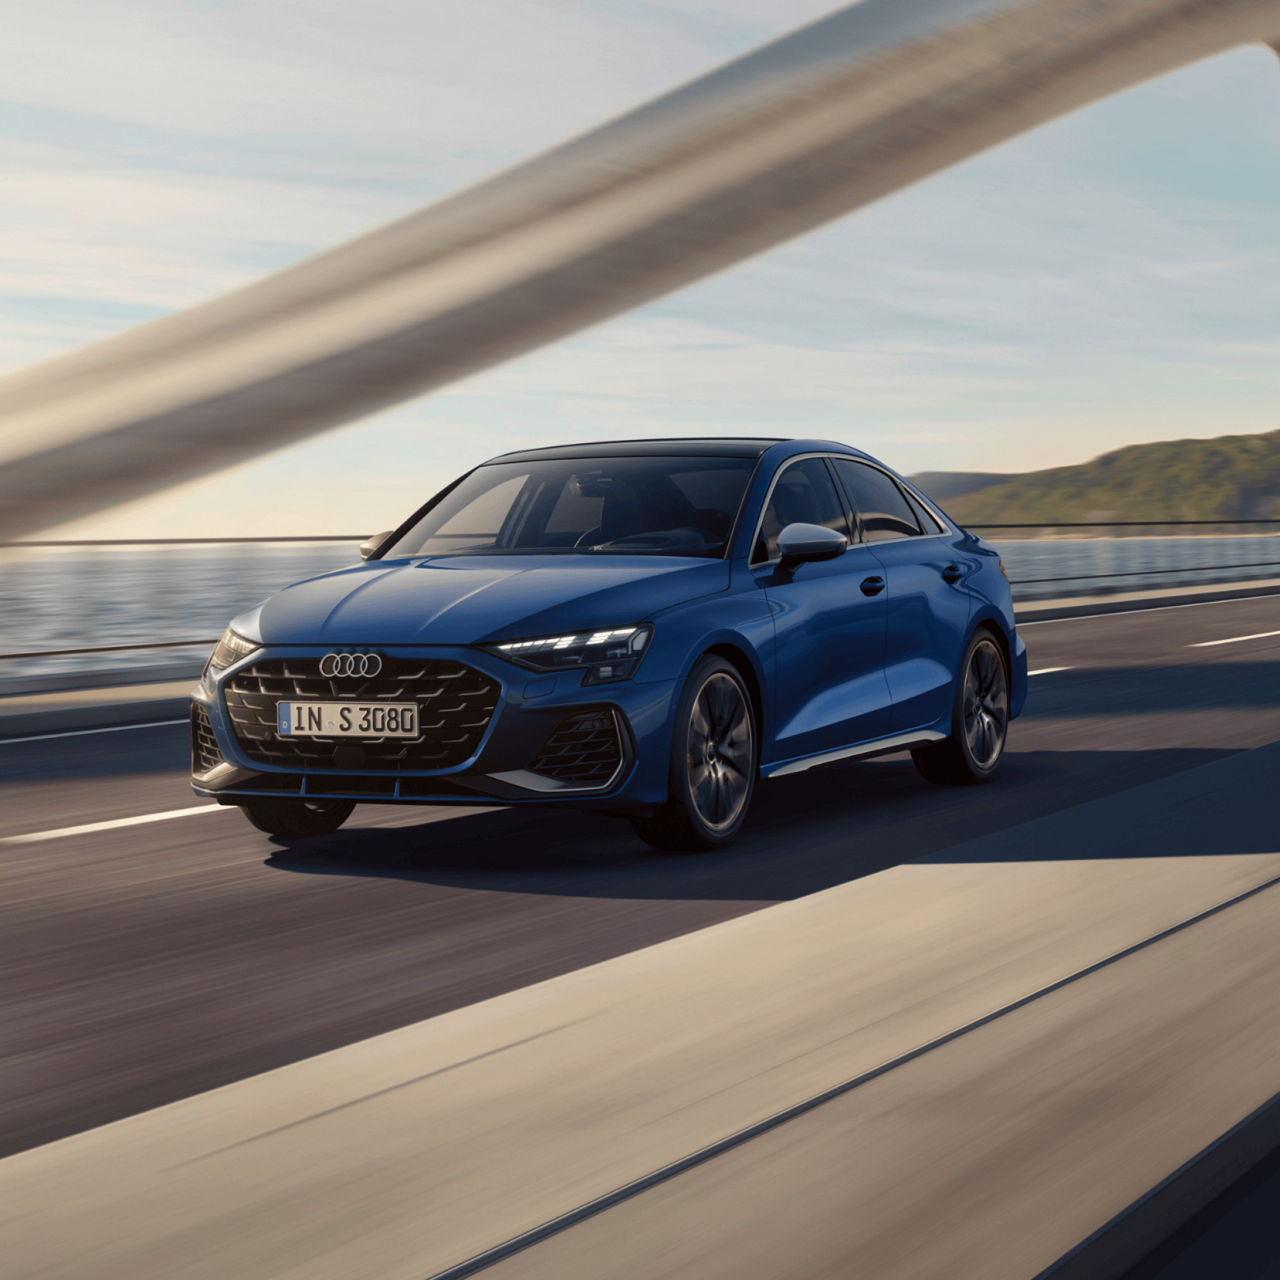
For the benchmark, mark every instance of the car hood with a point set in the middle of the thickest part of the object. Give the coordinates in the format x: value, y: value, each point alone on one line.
x: 473, y: 599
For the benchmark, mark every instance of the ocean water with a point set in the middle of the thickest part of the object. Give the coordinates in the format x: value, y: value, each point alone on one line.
x: 77, y: 597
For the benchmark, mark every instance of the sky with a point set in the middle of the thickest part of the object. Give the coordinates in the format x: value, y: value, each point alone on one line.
x: 1110, y: 278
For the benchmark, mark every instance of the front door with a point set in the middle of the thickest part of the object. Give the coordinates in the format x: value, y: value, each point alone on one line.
x: 829, y: 685
x: 927, y: 596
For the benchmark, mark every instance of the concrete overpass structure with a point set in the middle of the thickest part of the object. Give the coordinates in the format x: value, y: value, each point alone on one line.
x: 876, y: 96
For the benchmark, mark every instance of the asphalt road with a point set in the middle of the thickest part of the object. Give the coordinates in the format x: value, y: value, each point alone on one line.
x: 144, y: 963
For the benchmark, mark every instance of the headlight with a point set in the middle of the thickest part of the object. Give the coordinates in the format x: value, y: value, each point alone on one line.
x: 230, y: 648
x: 611, y: 653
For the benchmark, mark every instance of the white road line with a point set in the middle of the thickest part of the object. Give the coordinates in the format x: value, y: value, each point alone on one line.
x: 80, y: 733
x: 1159, y: 608
x: 33, y: 836
x: 1048, y: 671
x: 1257, y: 635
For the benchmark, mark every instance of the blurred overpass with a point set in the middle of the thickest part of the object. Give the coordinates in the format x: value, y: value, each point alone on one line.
x: 807, y: 128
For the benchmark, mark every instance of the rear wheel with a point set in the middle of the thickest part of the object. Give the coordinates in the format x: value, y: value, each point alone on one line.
x: 297, y: 818
x: 979, y: 720
x: 713, y: 764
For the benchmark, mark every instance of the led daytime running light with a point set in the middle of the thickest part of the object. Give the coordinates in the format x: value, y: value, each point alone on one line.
x: 606, y: 655
x: 584, y: 640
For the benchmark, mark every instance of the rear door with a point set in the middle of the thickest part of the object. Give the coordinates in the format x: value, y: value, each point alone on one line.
x: 829, y: 684
x: 927, y: 600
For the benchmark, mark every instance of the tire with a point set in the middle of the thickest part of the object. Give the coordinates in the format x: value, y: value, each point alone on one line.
x: 296, y: 819
x: 979, y: 719
x: 713, y: 764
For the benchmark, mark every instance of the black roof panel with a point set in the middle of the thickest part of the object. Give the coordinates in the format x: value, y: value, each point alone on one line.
x: 689, y: 447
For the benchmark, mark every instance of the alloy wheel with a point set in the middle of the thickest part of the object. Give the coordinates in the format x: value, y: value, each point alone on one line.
x: 986, y: 704
x: 720, y: 751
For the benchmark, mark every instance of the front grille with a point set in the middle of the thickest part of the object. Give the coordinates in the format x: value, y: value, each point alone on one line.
x: 455, y: 705
x: 204, y: 746
x: 583, y: 750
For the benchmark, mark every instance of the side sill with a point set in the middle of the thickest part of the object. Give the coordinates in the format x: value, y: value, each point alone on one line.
x: 877, y: 746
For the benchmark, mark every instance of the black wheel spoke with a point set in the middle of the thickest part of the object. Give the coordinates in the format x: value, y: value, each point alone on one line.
x: 737, y: 729
x: 722, y: 705
x: 703, y: 790
x: 986, y: 670
x: 701, y: 725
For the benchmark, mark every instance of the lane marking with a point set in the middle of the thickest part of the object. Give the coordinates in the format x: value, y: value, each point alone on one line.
x: 87, y: 828
x: 1156, y: 608
x: 80, y: 733
x: 1048, y: 671
x: 1257, y: 635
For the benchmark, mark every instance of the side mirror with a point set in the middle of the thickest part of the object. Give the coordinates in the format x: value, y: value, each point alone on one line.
x: 370, y: 545
x: 800, y: 543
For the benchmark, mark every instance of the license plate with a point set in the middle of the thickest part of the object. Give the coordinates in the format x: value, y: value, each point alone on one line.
x: 347, y: 719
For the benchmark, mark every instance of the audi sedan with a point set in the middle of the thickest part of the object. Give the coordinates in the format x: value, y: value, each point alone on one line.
x: 648, y: 628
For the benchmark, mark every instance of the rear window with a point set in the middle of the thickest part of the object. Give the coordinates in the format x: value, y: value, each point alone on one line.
x: 883, y: 510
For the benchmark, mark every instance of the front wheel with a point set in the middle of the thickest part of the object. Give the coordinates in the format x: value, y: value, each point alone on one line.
x: 979, y: 720
x: 714, y: 758
x: 297, y: 818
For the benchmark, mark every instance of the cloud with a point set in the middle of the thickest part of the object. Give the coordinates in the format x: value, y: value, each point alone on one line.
x: 385, y: 72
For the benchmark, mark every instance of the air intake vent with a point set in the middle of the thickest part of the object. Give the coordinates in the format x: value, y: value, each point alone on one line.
x: 455, y: 705
x: 584, y: 749
x: 204, y: 746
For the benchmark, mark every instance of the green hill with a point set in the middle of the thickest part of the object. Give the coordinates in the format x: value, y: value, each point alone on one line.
x: 1230, y: 478
x: 942, y: 486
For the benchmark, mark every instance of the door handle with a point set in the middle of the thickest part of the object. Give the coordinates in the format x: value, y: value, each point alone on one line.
x: 952, y: 573
x: 872, y: 586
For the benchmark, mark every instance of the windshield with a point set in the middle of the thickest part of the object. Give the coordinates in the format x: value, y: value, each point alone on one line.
x: 643, y: 506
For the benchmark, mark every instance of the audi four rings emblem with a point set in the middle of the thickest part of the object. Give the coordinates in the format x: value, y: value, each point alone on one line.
x: 350, y: 664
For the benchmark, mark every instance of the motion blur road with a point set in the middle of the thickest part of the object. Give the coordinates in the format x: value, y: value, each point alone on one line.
x: 143, y: 963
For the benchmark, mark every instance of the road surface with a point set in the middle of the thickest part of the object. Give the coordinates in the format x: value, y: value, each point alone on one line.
x: 147, y: 962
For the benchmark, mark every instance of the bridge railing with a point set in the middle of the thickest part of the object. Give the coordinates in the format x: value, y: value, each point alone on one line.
x: 1103, y: 557
x: 156, y: 605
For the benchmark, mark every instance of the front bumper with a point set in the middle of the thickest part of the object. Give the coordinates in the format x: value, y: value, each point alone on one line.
x: 525, y: 755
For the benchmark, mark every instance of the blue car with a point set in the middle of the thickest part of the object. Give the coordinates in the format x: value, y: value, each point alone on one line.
x: 647, y: 628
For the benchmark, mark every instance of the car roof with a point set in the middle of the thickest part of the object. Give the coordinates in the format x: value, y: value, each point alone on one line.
x: 691, y: 447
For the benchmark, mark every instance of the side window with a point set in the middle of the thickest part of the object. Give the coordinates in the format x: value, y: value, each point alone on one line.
x: 924, y: 517
x: 884, y: 511
x: 803, y: 494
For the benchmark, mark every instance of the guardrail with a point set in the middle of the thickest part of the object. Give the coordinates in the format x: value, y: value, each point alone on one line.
x: 1132, y: 550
